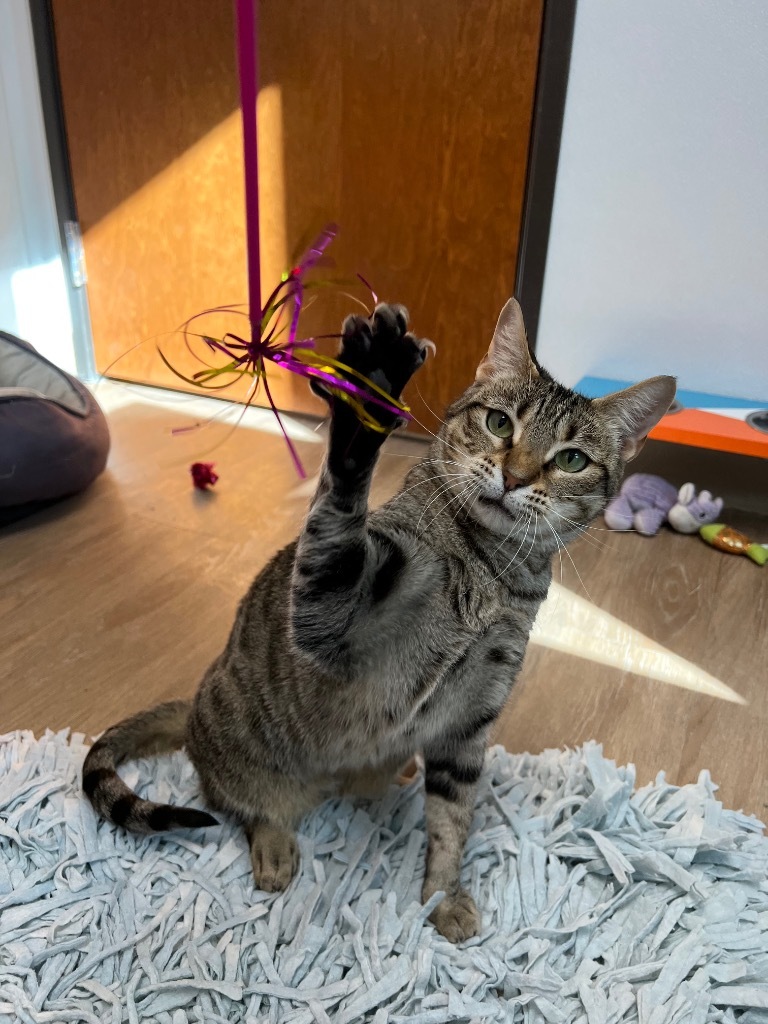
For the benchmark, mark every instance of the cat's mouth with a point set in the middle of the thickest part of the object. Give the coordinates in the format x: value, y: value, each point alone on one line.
x: 488, y: 499
x: 498, y: 505
x: 517, y: 507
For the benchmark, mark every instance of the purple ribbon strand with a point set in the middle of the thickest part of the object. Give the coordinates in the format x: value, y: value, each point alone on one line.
x: 246, y: 22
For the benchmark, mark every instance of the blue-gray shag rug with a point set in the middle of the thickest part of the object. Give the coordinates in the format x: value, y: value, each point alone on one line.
x: 600, y: 905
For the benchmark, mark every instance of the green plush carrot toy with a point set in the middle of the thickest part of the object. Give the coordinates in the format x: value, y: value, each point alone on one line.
x: 727, y: 539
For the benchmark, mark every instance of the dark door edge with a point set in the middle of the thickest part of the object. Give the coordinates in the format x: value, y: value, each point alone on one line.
x: 543, y: 156
x: 44, y: 35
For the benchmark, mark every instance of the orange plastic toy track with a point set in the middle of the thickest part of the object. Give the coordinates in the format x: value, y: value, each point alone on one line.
x: 709, y: 430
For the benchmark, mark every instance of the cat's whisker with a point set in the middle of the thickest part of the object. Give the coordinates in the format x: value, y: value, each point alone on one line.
x: 437, y: 472
x: 469, y: 488
x: 460, y: 494
x: 559, y: 543
x: 560, y: 546
x: 605, y: 529
x: 467, y: 501
x: 447, y: 486
x: 426, y: 481
x: 533, y: 538
x: 473, y: 495
x: 581, y: 581
x: 425, y: 462
x: 520, y: 548
x: 586, y: 531
x: 445, y: 483
x: 429, y: 407
x: 580, y: 534
x: 515, y: 525
x: 544, y: 507
x: 559, y: 551
x: 444, y: 489
x: 582, y: 529
x: 594, y: 529
x: 437, y: 437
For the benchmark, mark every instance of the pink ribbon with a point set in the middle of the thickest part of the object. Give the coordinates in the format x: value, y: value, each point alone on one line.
x: 248, y: 69
x: 267, y: 321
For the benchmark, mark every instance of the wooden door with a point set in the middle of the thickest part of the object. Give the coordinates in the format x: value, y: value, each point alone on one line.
x: 404, y: 121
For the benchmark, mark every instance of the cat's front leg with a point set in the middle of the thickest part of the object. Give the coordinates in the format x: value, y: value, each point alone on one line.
x: 340, y: 566
x: 382, y: 349
x: 451, y: 781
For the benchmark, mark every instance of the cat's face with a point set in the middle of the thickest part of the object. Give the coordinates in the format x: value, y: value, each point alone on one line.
x: 533, y: 457
x: 532, y: 447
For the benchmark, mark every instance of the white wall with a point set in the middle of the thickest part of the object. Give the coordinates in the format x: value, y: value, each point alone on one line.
x: 33, y: 293
x: 658, y: 253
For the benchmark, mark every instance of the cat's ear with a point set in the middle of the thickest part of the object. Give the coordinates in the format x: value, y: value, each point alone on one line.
x: 509, y: 352
x: 635, y: 411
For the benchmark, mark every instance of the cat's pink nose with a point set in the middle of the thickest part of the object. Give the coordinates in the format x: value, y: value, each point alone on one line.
x: 511, y: 482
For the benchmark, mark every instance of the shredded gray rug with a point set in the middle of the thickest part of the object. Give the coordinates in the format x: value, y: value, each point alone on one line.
x: 599, y: 905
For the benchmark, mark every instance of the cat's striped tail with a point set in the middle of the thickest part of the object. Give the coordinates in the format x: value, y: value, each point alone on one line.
x: 156, y: 731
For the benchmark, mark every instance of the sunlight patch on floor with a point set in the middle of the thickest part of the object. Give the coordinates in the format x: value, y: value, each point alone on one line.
x: 569, y: 623
x: 113, y: 395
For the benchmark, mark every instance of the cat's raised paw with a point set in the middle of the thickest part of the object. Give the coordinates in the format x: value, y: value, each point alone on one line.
x: 457, y: 918
x: 392, y: 353
x: 381, y: 348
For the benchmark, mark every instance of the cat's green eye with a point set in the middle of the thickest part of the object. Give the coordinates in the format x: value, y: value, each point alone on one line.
x: 571, y: 460
x: 499, y: 423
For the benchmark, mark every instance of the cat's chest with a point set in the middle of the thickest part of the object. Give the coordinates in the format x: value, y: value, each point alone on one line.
x: 483, y: 630
x: 469, y: 688
x: 477, y: 597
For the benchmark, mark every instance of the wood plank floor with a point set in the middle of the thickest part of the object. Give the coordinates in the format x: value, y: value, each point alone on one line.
x: 119, y: 598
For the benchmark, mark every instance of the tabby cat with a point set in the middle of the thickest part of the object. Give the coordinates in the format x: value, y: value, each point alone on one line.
x: 378, y: 634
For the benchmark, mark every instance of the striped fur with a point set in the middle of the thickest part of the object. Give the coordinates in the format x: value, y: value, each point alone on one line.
x: 156, y: 731
x: 377, y: 634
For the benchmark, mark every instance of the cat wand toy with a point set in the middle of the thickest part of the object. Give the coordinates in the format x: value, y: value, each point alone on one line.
x: 273, y: 326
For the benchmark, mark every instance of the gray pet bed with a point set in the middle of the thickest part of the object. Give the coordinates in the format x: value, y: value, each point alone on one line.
x: 54, y: 439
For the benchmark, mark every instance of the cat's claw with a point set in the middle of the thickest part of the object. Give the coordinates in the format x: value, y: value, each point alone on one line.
x: 381, y: 348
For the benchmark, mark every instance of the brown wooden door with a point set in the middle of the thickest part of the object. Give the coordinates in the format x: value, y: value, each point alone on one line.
x: 404, y: 121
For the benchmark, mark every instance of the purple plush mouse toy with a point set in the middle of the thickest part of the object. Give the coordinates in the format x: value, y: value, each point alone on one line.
x: 646, y: 501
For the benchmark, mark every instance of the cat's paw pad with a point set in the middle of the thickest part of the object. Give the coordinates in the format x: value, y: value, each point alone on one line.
x: 381, y: 348
x: 394, y: 353
x: 457, y: 918
x: 274, y: 857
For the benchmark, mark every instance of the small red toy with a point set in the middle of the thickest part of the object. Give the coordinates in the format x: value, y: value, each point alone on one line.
x: 203, y: 475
